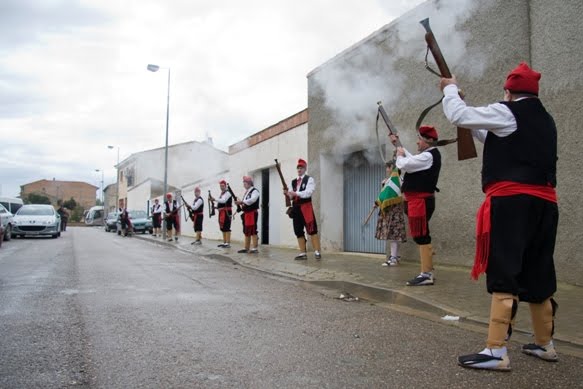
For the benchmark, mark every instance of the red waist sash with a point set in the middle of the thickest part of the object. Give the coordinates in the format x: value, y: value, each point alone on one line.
x: 483, y: 220
x: 416, y: 212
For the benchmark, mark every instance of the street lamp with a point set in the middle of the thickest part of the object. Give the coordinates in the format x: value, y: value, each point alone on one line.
x: 155, y: 68
x: 117, y: 178
x: 101, y: 170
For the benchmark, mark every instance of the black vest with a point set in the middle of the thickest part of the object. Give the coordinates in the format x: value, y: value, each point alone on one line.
x: 201, y: 209
x: 424, y: 180
x: 253, y: 206
x: 167, y: 206
x: 303, y: 185
x: 227, y: 204
x: 529, y: 154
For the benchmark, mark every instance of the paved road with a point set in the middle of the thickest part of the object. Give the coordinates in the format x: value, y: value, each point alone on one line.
x: 92, y: 309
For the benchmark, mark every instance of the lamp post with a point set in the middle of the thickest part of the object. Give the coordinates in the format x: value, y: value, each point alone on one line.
x: 116, y: 178
x: 101, y: 197
x: 155, y: 68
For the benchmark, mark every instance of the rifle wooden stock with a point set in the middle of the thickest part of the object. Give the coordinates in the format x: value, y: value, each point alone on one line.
x: 188, y: 207
x: 283, y: 184
x: 466, y: 148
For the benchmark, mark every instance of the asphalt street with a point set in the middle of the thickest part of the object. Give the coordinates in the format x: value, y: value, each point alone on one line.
x: 92, y: 309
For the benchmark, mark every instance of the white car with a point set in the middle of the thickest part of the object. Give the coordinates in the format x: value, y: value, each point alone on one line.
x: 6, y: 221
x: 35, y: 220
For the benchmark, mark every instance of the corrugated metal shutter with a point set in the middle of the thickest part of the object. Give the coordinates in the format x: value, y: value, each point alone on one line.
x: 361, y: 187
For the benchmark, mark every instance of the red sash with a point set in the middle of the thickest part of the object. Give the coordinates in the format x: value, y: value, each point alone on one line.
x: 308, y: 214
x: 249, y: 227
x: 416, y: 212
x: 483, y: 220
x: 223, y: 212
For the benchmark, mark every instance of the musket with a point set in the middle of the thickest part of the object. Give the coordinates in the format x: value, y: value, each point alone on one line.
x: 211, y: 203
x: 390, y: 126
x: 239, y: 209
x: 365, y: 222
x: 189, y: 208
x: 466, y: 148
x: 284, y: 185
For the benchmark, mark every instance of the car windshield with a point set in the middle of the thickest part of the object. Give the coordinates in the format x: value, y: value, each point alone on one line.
x: 35, y: 210
x: 137, y: 214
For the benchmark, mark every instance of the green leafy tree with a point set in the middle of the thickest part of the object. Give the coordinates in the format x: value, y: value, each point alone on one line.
x: 70, y: 204
x: 76, y: 214
x: 36, y: 198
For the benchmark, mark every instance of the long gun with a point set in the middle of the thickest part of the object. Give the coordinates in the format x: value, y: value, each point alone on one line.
x: 234, y: 198
x: 189, y: 208
x: 466, y: 148
x: 211, y: 201
x: 284, y: 185
x: 390, y: 126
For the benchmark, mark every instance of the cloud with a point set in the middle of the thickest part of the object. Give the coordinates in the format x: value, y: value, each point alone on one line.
x: 73, y: 74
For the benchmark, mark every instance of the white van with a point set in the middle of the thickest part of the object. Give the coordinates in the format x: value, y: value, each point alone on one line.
x: 12, y: 204
x: 95, y: 217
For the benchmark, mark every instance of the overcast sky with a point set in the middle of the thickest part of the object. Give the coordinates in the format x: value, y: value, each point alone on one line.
x: 73, y: 76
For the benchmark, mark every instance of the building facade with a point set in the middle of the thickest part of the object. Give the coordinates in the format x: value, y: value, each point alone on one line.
x: 482, y: 42
x: 83, y: 193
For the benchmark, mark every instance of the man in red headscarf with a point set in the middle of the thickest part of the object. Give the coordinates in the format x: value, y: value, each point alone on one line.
x: 302, y: 211
x: 170, y: 217
x: 225, y: 208
x: 250, y: 205
x: 419, y: 187
x: 517, y: 223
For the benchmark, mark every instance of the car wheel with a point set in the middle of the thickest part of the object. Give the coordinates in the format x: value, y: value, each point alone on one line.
x: 59, y: 234
x: 8, y: 233
x: 55, y: 236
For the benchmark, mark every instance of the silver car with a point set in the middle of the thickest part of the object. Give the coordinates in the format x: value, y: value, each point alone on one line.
x: 6, y: 221
x: 36, y: 219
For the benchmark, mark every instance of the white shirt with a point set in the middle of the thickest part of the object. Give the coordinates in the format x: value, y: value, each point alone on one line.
x: 224, y: 197
x: 410, y: 163
x: 157, y: 208
x: 250, y: 196
x: 309, y: 190
x: 495, y: 118
x: 198, y: 202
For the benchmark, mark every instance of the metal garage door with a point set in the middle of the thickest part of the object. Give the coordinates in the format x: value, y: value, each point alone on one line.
x: 361, y: 187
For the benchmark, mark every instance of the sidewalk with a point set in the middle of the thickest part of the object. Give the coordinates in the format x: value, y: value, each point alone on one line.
x: 454, y: 293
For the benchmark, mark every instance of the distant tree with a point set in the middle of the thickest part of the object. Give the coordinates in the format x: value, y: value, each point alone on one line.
x: 98, y: 202
x: 70, y: 204
x: 77, y: 214
x: 36, y: 198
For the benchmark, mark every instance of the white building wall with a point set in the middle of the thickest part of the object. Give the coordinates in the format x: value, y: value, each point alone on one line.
x: 138, y: 196
x: 287, y: 148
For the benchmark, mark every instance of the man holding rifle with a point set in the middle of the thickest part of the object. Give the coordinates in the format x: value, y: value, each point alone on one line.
x: 517, y: 223
x: 225, y: 208
x: 197, y: 216
x: 419, y: 186
x: 250, y: 206
x: 302, y: 211
x: 171, y: 216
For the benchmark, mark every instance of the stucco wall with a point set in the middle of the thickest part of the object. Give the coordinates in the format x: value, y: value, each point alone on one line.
x: 287, y: 148
x: 482, y: 43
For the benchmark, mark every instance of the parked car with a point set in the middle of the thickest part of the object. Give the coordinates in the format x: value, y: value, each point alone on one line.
x: 6, y: 221
x: 140, y: 222
x: 11, y: 203
x: 1, y: 231
x: 111, y: 221
x: 36, y: 219
x: 94, y: 217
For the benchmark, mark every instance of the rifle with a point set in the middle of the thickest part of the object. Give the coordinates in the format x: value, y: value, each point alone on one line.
x: 466, y: 148
x: 211, y: 202
x: 189, y: 208
x: 284, y: 185
x: 390, y: 126
x: 234, y: 199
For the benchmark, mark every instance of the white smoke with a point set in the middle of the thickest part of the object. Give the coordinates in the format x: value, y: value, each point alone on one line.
x: 387, y: 66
